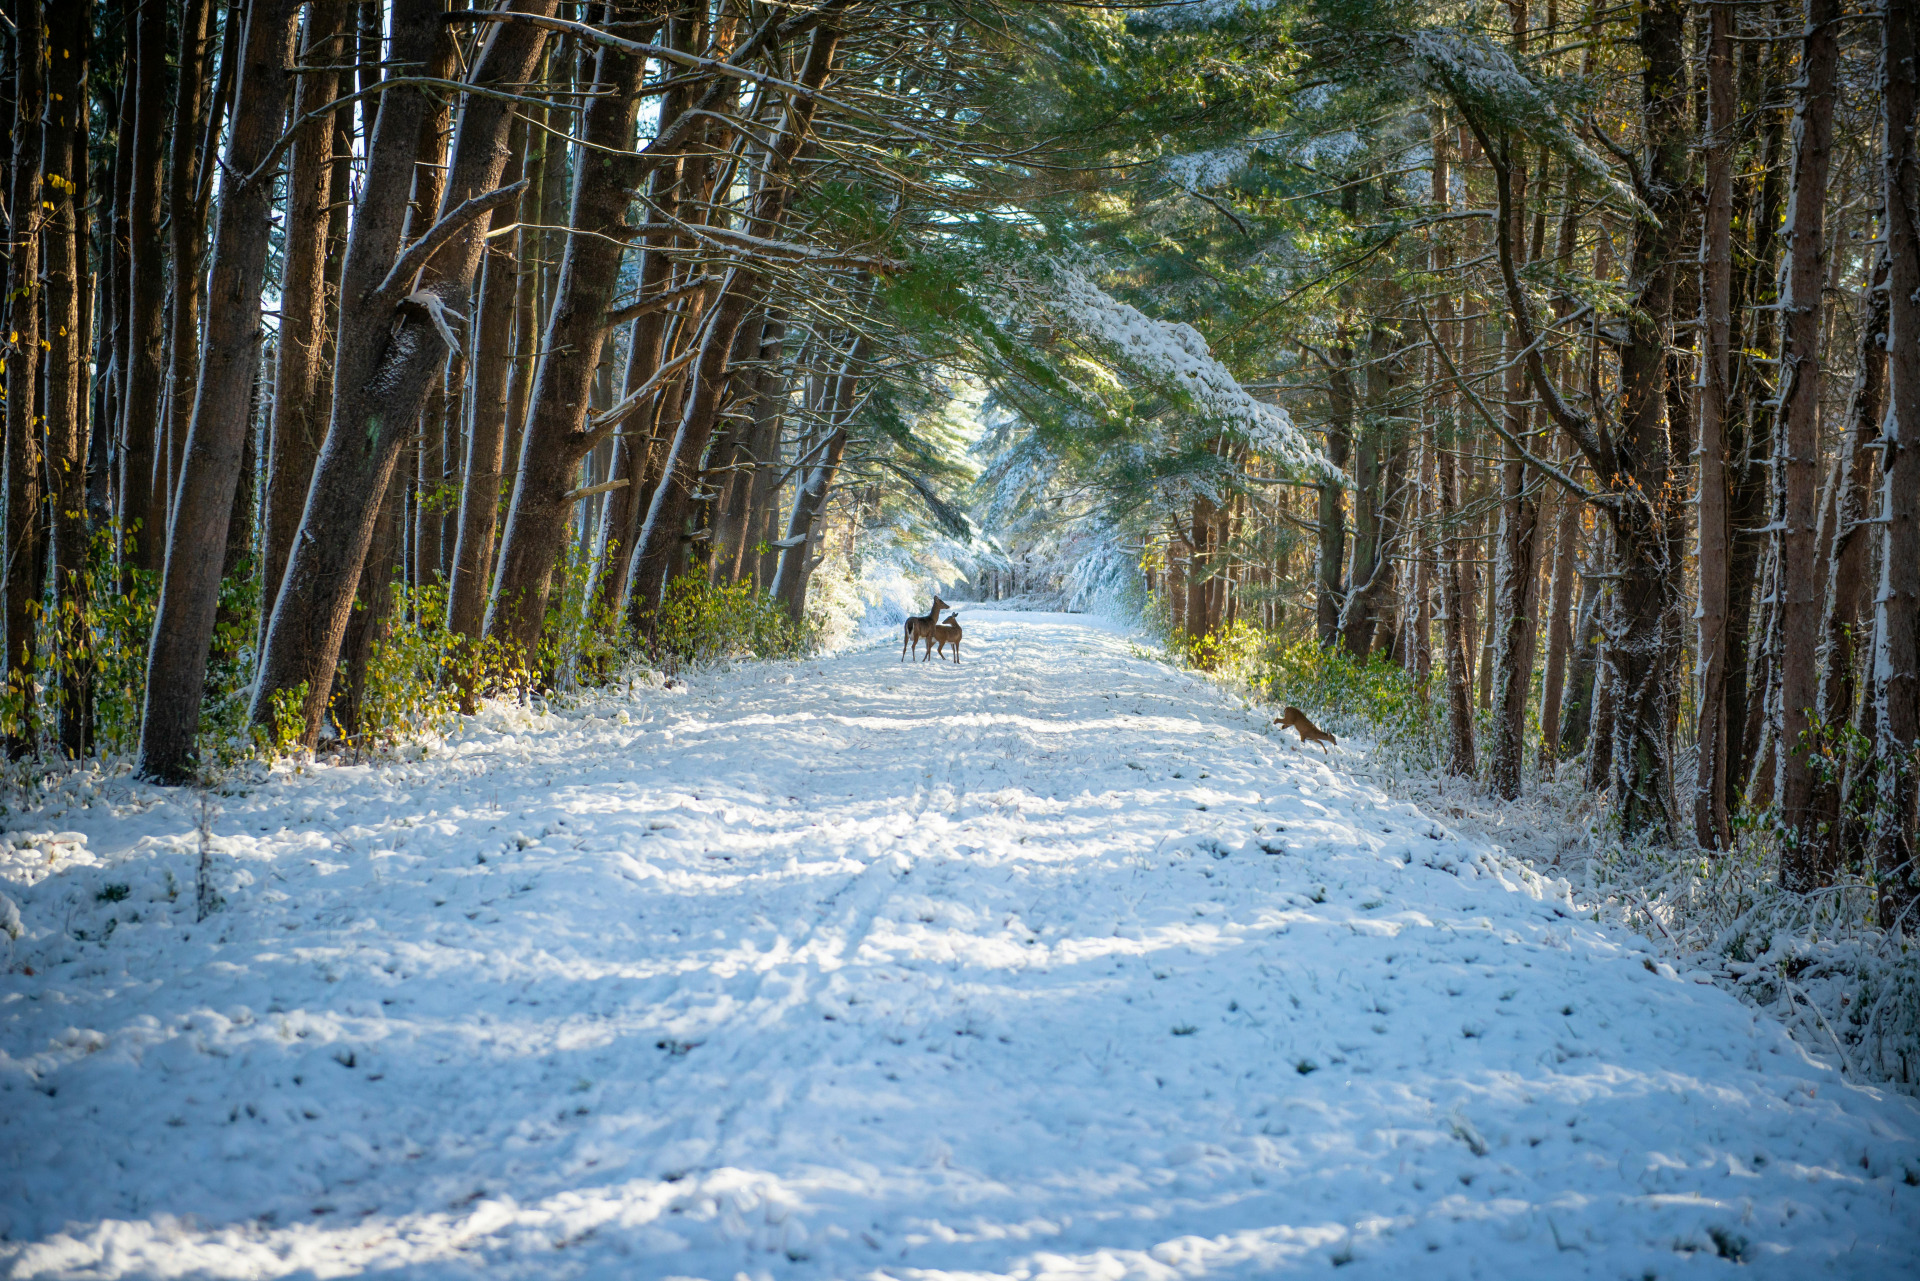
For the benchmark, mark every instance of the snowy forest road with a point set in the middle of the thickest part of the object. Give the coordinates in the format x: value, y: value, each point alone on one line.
x: 1055, y: 963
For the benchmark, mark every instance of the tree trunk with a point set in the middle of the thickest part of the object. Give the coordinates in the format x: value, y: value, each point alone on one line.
x: 1712, y: 828
x: 758, y: 456
x: 1482, y: 608
x: 1797, y: 448
x: 1515, y: 602
x: 1896, y: 664
x: 1566, y: 535
x: 143, y: 432
x: 1765, y: 692
x: 373, y: 600
x: 673, y: 498
x: 1333, y: 505
x: 1200, y: 575
x: 1576, y: 711
x: 557, y: 436
x: 222, y: 411
x: 790, y: 579
x: 297, y: 424
x: 1750, y: 424
x: 731, y: 468
x: 1848, y: 543
x: 1515, y: 592
x: 526, y: 309
x: 24, y: 531
x: 186, y: 234
x: 1599, y: 729
x: 389, y: 346
x: 1647, y: 551
x: 1420, y: 599
x: 1460, y: 753
x: 772, y: 392
x: 430, y: 454
x: 108, y: 305
x: 69, y: 33
x: 486, y: 428
x: 1356, y: 606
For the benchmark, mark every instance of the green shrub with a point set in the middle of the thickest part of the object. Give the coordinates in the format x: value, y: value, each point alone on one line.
x: 584, y: 637
x: 1378, y: 696
x: 408, y: 688
x: 1235, y: 650
x: 702, y: 622
x: 420, y: 676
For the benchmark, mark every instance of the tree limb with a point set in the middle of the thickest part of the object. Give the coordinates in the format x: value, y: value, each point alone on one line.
x: 417, y: 255
x: 1571, y: 485
x: 1578, y: 426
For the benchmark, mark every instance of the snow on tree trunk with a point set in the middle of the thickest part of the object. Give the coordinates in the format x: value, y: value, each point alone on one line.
x: 1896, y: 665
x: 223, y: 406
x: 1796, y: 451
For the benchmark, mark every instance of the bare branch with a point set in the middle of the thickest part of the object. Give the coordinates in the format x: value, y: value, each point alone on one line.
x: 1546, y: 468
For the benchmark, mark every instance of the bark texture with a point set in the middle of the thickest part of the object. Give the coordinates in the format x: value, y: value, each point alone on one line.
x: 300, y: 351
x: 1712, y: 828
x: 216, y: 438
x: 390, y: 345
x: 1896, y: 658
x: 24, y: 530
x: 63, y: 151
x: 1796, y: 451
x: 143, y: 498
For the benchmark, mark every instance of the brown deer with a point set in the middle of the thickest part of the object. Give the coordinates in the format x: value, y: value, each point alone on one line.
x: 920, y: 628
x: 1296, y: 720
x: 943, y: 635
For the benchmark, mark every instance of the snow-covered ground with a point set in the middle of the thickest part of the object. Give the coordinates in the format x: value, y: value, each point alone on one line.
x: 1052, y: 964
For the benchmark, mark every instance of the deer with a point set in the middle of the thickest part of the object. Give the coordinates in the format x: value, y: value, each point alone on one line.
x: 944, y: 634
x: 920, y: 628
x: 1296, y: 720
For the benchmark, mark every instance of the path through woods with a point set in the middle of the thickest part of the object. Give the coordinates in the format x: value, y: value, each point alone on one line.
x: 1052, y: 964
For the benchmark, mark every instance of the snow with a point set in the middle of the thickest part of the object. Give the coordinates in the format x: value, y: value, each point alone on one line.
x: 1055, y: 963
x: 1204, y: 170
x: 1177, y: 353
x: 1473, y: 67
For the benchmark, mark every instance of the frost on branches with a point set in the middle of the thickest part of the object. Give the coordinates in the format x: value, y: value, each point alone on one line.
x: 1484, y: 78
x: 1174, y: 354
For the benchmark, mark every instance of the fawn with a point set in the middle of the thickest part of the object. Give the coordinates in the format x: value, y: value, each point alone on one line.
x: 943, y: 634
x: 920, y: 628
x: 1296, y: 720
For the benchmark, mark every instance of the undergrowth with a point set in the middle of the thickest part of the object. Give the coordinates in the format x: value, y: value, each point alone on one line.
x: 419, y: 677
x: 700, y: 622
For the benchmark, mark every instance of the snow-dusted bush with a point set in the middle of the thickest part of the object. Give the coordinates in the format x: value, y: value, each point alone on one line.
x: 1849, y: 991
x: 834, y: 604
